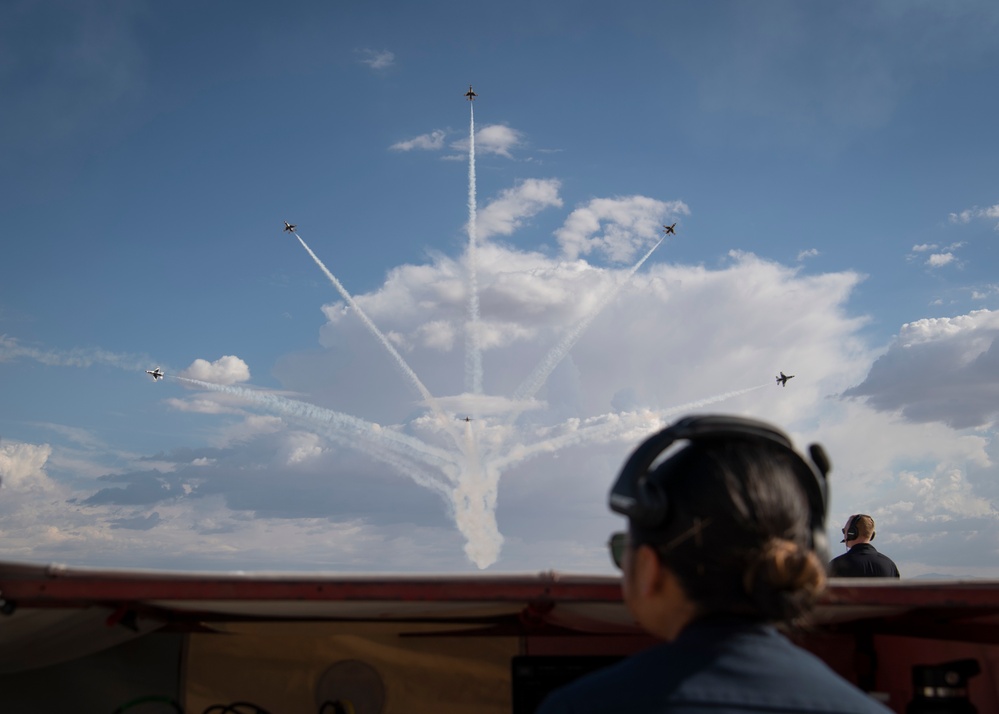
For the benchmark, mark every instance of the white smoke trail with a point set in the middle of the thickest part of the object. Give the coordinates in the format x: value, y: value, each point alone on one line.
x: 431, y: 402
x: 473, y: 344
x: 544, y: 369
x: 10, y: 348
x: 474, y: 502
x: 471, y: 495
x: 610, y: 427
x: 389, y: 446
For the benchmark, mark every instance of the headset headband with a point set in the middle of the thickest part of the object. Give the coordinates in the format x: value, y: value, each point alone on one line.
x: 631, y: 497
x: 851, y: 532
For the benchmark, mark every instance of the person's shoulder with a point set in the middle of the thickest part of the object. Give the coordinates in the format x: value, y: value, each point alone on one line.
x: 607, y: 688
x: 742, y: 668
x: 842, y: 565
x: 816, y: 685
x: 889, y: 564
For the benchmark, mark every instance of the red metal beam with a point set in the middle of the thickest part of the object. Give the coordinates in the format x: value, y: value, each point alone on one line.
x: 28, y: 589
x: 57, y: 586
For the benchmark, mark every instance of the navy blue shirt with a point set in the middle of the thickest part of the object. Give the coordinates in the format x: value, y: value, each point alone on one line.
x: 716, y: 665
x: 863, y: 561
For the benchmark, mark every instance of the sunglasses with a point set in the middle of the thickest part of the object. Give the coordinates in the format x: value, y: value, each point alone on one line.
x: 619, y: 542
x: 617, y: 545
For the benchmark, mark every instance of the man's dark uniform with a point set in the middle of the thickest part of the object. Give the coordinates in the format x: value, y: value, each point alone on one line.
x: 722, y: 665
x: 863, y: 561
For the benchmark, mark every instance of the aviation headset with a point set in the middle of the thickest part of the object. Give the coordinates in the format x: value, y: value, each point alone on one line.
x: 850, y: 532
x: 646, y: 505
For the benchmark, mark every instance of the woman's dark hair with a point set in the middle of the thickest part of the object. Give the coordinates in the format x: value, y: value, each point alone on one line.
x: 737, y: 532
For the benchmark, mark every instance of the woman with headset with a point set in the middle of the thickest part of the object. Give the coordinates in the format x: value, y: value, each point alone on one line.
x: 725, y: 540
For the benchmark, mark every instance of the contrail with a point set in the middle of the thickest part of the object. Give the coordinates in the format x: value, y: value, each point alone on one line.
x: 541, y: 373
x: 11, y: 348
x: 474, y: 502
x: 606, y: 428
x: 471, y: 494
x: 421, y: 388
x: 473, y: 346
x: 387, y: 445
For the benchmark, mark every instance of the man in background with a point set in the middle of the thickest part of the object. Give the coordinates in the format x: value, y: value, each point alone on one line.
x: 861, y: 560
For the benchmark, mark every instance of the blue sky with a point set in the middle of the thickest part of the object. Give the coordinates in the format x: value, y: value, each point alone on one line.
x: 830, y: 168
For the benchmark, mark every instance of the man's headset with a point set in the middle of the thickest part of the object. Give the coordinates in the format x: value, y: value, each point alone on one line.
x: 850, y: 532
x: 646, y: 505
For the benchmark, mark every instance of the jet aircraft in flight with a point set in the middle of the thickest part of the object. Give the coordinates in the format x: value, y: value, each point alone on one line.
x: 289, y: 227
x: 470, y: 95
x: 155, y: 373
x: 669, y: 229
x: 782, y: 379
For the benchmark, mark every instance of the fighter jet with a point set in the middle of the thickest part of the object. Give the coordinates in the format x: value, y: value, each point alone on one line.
x: 155, y: 373
x: 289, y: 227
x: 468, y: 419
x: 470, y: 95
x: 669, y: 229
x: 782, y: 379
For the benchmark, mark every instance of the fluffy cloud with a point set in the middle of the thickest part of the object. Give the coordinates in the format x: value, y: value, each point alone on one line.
x: 618, y: 228
x: 944, y: 256
x: 492, y: 139
x: 225, y: 370
x: 514, y: 205
x: 938, y: 260
x: 970, y: 214
x: 939, y: 369
x: 22, y: 467
x: 426, y: 142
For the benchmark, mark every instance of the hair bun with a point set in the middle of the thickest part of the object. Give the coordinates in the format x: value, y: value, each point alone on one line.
x: 784, y: 579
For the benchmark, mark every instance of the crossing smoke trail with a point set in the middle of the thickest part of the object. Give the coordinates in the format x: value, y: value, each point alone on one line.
x: 424, y: 392
x: 473, y: 496
x: 470, y: 495
x: 611, y: 427
x: 541, y: 373
x: 473, y: 346
x: 396, y: 449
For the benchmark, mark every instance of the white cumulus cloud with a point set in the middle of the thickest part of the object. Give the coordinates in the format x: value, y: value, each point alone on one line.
x: 938, y: 260
x: 939, y: 369
x: 495, y: 139
x: 508, y: 212
x: 22, y: 467
x: 617, y: 228
x: 970, y: 214
x: 228, y: 369
x: 425, y: 142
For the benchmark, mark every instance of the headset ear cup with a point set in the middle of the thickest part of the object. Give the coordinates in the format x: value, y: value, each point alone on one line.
x: 851, y: 528
x: 652, y: 504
